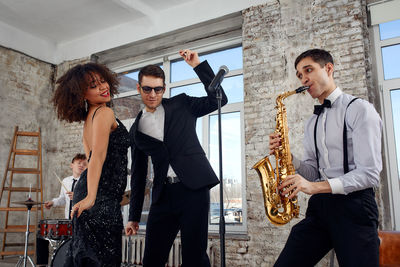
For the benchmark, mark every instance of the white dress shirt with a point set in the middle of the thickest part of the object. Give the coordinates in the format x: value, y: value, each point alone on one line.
x: 152, y: 124
x: 364, y: 128
x: 63, y: 198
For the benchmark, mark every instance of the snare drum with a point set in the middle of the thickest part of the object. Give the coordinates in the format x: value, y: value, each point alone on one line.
x: 55, y: 229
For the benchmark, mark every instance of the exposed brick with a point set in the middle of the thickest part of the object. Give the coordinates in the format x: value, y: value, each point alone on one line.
x: 273, y: 35
x: 289, y: 28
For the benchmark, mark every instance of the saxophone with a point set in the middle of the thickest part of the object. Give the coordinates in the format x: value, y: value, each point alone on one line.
x: 279, y: 209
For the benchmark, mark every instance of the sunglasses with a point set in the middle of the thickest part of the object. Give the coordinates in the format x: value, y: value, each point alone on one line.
x: 148, y: 89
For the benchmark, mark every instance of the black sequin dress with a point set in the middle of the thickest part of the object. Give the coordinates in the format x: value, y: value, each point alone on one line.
x: 97, y: 233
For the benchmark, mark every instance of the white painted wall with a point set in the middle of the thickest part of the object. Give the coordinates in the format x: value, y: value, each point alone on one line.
x: 27, y: 43
x: 154, y: 22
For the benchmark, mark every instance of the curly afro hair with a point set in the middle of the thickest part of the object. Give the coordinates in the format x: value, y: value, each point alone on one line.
x: 68, y: 99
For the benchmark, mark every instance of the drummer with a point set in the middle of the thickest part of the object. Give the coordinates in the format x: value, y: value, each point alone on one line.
x: 78, y: 165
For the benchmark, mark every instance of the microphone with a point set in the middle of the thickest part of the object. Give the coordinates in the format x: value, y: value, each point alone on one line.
x: 216, y: 82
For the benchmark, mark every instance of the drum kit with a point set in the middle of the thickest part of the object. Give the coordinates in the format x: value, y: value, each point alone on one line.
x: 58, y: 232
x: 29, y: 204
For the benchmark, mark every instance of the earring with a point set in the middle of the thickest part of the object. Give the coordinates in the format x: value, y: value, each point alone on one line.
x: 86, y: 105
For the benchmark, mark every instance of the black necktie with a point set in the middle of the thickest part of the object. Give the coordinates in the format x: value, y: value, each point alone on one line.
x: 319, y: 108
x: 70, y: 202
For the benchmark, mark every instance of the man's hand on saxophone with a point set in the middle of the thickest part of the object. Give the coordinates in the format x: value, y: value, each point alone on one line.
x: 274, y: 142
x: 296, y: 182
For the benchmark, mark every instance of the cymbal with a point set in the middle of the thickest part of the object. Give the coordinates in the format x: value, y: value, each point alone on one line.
x: 28, y: 202
x: 125, y: 198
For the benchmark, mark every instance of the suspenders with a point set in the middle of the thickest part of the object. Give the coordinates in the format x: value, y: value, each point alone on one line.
x: 345, y: 156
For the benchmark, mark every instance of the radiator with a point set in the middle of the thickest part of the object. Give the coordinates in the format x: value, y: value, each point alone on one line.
x: 133, y: 250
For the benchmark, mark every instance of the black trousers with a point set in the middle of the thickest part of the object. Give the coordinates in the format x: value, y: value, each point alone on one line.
x: 178, y: 208
x: 346, y: 223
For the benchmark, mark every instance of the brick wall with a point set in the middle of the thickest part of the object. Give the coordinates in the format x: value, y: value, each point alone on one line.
x: 69, y: 143
x: 27, y: 86
x: 273, y: 35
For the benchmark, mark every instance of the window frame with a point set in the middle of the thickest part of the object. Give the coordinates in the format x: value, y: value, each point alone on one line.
x: 166, y: 61
x: 385, y: 86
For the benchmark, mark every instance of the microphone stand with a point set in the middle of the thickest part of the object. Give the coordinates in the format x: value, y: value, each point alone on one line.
x: 221, y: 187
x: 216, y: 85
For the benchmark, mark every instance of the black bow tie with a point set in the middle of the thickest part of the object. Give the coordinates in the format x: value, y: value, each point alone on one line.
x: 318, y: 108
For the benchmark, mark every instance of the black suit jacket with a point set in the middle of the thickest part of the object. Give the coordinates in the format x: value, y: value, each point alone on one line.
x: 181, y: 148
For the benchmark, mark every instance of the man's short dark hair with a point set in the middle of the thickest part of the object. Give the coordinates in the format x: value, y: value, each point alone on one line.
x: 318, y: 55
x: 79, y: 156
x: 151, y: 70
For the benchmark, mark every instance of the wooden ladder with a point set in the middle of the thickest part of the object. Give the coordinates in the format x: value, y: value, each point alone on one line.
x: 7, y: 186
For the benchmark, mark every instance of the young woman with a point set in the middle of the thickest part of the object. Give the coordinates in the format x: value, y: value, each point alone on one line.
x: 84, y: 94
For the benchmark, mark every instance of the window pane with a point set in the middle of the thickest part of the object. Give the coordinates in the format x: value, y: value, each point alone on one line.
x: 395, y: 99
x: 196, y: 89
x: 232, y: 168
x: 127, y: 107
x: 232, y: 58
x: 233, y: 87
x: 391, y: 59
x: 389, y: 29
x: 129, y: 80
x: 180, y: 71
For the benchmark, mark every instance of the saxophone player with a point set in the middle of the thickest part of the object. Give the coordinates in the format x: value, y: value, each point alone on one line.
x: 340, y: 173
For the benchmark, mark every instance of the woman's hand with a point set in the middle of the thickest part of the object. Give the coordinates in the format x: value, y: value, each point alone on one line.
x: 82, y: 205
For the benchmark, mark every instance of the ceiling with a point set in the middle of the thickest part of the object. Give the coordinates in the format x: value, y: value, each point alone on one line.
x: 59, y: 30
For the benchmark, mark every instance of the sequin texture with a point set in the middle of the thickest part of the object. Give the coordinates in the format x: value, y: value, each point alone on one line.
x: 97, y: 233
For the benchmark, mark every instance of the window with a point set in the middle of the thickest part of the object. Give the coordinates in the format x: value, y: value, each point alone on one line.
x: 389, y: 29
x: 232, y: 169
x: 387, y: 49
x: 180, y: 78
x: 395, y: 99
x: 390, y: 59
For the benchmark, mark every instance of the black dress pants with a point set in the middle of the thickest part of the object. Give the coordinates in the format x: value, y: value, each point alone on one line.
x: 346, y: 223
x: 178, y: 208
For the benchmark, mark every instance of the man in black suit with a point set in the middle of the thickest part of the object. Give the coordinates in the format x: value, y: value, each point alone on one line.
x: 166, y: 131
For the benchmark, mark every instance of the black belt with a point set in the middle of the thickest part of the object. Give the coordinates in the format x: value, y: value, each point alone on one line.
x: 172, y: 180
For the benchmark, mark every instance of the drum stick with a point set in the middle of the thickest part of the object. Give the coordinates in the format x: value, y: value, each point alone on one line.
x: 61, y: 182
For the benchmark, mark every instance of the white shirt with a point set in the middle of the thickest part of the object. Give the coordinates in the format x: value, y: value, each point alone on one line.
x: 152, y: 124
x: 364, y: 128
x: 63, y: 198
